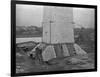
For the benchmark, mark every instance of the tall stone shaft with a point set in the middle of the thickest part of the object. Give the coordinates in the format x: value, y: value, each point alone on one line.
x: 57, y: 25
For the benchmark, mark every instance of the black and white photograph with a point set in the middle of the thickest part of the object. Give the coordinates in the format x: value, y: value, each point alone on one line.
x: 54, y: 38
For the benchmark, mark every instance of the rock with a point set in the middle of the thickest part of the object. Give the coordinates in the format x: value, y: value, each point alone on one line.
x: 82, y: 57
x: 79, y: 50
x: 17, y: 71
x: 56, y: 61
x: 21, y: 70
x: 49, y: 53
x: 75, y: 61
x: 65, y: 50
x: 61, y: 64
x: 18, y: 54
x: 18, y: 67
x: 87, y: 66
x: 52, y: 62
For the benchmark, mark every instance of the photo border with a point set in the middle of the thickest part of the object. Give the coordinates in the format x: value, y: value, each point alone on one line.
x: 13, y: 36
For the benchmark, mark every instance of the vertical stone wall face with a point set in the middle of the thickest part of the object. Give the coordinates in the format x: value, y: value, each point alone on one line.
x: 58, y: 31
x: 57, y: 25
x: 58, y: 50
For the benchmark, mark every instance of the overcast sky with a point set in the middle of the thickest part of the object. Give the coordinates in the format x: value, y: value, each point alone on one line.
x: 27, y: 15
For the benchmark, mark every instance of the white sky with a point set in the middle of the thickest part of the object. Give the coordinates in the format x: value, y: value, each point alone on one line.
x: 27, y: 15
x: 84, y: 17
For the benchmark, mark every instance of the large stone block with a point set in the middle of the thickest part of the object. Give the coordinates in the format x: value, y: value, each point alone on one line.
x: 57, y: 25
x: 48, y: 53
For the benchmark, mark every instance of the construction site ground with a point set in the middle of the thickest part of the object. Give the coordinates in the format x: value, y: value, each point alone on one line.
x: 25, y: 64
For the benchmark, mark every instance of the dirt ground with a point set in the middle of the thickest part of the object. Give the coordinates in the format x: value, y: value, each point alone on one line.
x: 25, y: 64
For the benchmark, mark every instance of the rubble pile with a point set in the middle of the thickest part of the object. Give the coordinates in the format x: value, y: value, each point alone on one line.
x: 26, y: 63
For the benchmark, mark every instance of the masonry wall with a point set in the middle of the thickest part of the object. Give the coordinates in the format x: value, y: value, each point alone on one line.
x: 57, y: 25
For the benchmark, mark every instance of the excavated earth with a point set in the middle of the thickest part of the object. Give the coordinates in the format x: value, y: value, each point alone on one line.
x: 26, y: 64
